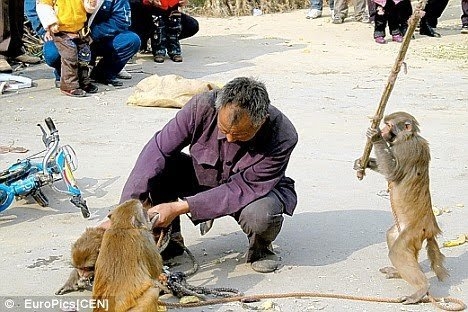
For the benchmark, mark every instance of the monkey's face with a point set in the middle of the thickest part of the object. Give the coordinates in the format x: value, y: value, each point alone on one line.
x: 84, y: 264
x: 388, y: 132
x: 86, y: 273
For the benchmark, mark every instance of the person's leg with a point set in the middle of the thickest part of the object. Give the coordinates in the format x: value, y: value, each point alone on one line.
x: 261, y: 220
x: 316, y: 7
x: 16, y: 17
x: 16, y: 50
x: 178, y: 180
x: 404, y: 12
x: 159, y: 21
x: 69, y: 58
x: 464, y: 17
x: 84, y: 58
x: 340, y: 10
x: 360, y: 13
x: 435, y: 11
x: 189, y: 26
x: 394, y: 22
x: 372, y: 10
x: 115, y: 54
x: 140, y: 22
x: 380, y: 23
x: 52, y: 58
x: 173, y: 30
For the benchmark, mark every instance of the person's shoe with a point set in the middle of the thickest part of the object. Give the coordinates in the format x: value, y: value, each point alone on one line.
x: 57, y: 83
x: 5, y: 66
x: 25, y: 58
x: 397, y: 38
x: 74, y: 92
x: 365, y: 20
x: 124, y: 74
x: 362, y: 18
x: 313, y: 13
x: 174, y: 248
x: 425, y: 29
x: 464, y: 29
x: 177, y: 58
x: 267, y: 264
x: 90, y: 88
x: 380, y: 40
x: 337, y: 20
x: 159, y: 58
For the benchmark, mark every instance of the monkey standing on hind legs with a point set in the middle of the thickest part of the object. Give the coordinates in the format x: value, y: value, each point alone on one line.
x: 403, y: 156
x: 128, y: 265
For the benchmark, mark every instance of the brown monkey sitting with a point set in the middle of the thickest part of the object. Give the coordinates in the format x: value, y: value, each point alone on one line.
x: 402, y: 156
x: 84, y: 253
x: 85, y: 250
x: 128, y: 264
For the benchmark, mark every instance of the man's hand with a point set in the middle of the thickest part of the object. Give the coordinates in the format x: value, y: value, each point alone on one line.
x: 168, y: 212
x: 183, y: 3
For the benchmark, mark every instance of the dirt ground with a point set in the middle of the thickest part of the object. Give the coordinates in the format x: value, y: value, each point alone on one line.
x: 327, y: 79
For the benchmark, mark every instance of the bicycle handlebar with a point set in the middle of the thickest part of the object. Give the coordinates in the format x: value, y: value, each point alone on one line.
x: 50, y: 124
x: 52, y: 144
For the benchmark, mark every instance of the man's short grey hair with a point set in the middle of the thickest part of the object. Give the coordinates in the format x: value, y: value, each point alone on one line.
x: 247, y: 94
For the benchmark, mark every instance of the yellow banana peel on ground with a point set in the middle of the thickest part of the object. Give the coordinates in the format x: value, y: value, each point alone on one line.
x: 461, y: 239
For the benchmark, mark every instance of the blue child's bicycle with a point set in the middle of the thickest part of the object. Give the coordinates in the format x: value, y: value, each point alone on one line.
x: 26, y: 177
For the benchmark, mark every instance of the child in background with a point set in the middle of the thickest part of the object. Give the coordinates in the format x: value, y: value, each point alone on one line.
x: 65, y: 23
x: 396, y: 13
x: 166, y: 29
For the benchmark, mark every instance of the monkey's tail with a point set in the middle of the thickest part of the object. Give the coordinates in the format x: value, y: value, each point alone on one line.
x: 436, y: 258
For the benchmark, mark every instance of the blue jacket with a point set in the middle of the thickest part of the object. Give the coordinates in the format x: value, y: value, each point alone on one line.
x: 112, y: 18
x: 30, y: 12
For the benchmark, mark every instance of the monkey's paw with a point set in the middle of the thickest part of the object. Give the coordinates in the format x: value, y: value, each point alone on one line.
x: 66, y: 289
x: 374, y: 135
x: 357, y: 164
x: 413, y: 299
x: 390, y: 272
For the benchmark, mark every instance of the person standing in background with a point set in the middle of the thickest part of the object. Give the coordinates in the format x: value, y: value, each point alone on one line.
x: 11, y: 35
x: 433, y: 9
x: 464, y: 17
x: 316, y: 7
x: 141, y: 19
x: 340, y: 11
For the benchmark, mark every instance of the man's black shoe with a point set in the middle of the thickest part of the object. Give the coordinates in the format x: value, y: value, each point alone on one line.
x: 90, y: 88
x: 427, y: 30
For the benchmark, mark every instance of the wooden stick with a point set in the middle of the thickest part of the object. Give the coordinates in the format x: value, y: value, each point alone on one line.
x: 412, y: 22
